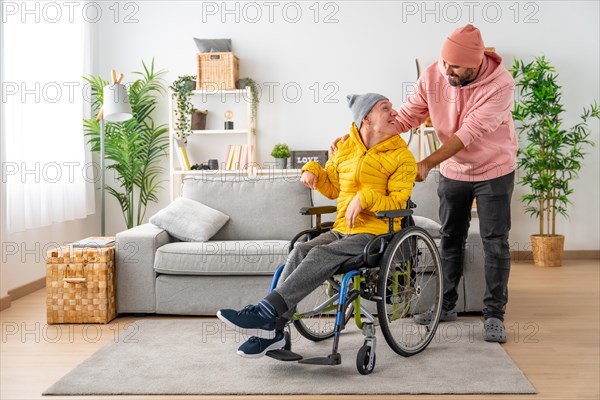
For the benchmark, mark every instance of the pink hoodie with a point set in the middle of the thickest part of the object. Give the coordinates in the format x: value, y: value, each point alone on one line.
x: 478, y: 113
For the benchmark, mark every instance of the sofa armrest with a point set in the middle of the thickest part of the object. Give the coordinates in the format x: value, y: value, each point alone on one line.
x: 134, y: 264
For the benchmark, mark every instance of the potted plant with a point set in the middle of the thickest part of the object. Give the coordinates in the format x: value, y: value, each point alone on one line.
x: 182, y: 89
x: 254, y: 90
x: 552, y: 155
x: 134, y: 147
x: 281, y: 153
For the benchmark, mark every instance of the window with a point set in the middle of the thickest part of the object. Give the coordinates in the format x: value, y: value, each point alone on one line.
x: 47, y: 176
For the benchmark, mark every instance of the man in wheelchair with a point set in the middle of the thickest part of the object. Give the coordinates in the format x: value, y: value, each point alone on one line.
x: 371, y: 172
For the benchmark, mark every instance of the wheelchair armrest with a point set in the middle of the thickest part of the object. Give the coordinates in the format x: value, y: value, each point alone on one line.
x: 318, y: 210
x: 394, y: 213
x: 311, y: 233
x: 375, y: 249
x: 391, y: 214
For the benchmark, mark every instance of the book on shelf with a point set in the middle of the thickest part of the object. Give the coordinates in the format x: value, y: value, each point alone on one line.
x: 184, y: 162
x: 244, y: 157
x: 229, y: 158
x: 236, y: 157
x: 94, y: 242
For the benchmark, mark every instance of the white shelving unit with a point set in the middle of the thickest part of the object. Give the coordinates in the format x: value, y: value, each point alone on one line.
x: 422, y: 132
x: 176, y: 175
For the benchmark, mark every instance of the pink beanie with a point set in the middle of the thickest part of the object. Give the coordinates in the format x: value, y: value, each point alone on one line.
x: 464, y: 47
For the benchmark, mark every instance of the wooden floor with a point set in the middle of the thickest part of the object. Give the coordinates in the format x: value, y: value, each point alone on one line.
x: 552, y: 322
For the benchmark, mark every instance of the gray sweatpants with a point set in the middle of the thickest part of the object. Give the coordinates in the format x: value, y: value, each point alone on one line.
x: 310, y: 263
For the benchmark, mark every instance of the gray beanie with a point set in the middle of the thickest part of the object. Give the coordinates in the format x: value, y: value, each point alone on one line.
x: 361, y: 104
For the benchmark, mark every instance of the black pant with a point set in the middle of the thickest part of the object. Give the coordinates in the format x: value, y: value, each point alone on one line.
x: 493, y: 208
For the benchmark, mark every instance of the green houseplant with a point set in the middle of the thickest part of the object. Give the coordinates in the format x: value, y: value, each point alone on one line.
x: 254, y: 90
x: 281, y: 153
x: 182, y: 89
x: 552, y: 156
x: 134, y: 147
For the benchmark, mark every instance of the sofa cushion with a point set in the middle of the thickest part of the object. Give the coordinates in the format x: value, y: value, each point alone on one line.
x: 243, y: 257
x: 189, y: 220
x: 425, y: 196
x: 259, y: 208
x: 432, y: 227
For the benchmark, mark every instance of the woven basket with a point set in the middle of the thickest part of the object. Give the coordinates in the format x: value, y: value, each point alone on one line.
x: 80, y: 285
x: 217, y: 71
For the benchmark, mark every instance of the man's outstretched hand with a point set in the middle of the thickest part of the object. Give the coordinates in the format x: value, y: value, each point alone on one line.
x: 422, y: 171
x: 333, y: 145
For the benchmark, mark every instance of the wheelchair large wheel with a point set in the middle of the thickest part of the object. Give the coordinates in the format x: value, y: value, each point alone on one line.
x: 315, y: 314
x: 410, y: 282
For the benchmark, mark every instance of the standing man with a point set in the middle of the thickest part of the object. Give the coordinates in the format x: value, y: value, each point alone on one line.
x: 468, y: 93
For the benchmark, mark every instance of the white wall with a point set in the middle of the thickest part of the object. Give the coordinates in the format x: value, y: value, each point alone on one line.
x: 366, y: 46
x: 371, y: 47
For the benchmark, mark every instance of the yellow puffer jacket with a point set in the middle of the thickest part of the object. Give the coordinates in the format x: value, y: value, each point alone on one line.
x: 382, y: 176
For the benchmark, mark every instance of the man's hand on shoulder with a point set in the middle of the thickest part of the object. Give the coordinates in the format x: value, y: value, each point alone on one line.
x: 333, y: 145
x: 309, y: 179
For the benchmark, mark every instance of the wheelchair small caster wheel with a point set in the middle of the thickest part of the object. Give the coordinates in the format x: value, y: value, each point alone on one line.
x: 364, y: 362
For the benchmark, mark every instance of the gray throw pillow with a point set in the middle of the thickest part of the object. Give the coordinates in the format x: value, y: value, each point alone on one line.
x: 432, y: 227
x: 189, y: 220
x: 213, y: 45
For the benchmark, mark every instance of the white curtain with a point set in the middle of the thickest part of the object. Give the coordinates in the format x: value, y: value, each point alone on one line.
x: 47, y: 173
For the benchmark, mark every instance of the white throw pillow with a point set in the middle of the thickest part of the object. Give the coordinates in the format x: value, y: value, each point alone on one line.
x: 432, y: 227
x: 189, y: 220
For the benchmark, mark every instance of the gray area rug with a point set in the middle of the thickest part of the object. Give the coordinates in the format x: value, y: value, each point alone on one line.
x: 197, y: 356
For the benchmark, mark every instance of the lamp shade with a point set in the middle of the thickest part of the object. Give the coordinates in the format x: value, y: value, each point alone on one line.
x: 116, y: 103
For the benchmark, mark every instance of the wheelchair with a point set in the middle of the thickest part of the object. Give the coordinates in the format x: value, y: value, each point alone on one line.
x: 400, y: 271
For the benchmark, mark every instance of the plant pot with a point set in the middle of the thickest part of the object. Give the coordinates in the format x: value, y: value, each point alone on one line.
x: 199, y: 120
x: 547, y: 250
x: 281, y: 163
x: 241, y: 84
x: 190, y: 85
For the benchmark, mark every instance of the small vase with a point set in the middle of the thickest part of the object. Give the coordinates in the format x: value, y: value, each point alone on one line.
x: 281, y: 163
x: 199, y: 120
x: 190, y: 85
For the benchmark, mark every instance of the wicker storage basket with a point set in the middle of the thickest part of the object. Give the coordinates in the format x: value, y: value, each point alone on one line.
x: 80, y: 285
x: 217, y: 71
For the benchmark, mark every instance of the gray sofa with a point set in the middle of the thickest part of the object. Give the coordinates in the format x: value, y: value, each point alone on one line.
x: 159, y: 274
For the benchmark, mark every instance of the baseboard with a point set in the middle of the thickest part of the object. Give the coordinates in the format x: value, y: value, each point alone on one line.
x: 523, y: 255
x: 519, y: 255
x: 22, y: 291
x: 4, y: 302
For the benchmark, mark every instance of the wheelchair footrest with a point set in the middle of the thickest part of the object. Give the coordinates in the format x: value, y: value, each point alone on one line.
x: 284, y: 355
x: 332, y: 359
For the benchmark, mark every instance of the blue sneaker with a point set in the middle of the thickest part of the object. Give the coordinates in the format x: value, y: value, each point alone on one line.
x: 256, y: 347
x: 248, y: 322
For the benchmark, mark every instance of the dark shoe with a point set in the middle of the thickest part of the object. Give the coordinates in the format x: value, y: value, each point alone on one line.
x: 256, y: 347
x: 248, y: 322
x: 426, y: 317
x: 493, y: 331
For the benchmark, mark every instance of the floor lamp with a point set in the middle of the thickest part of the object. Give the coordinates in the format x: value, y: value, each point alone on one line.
x: 115, y: 108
